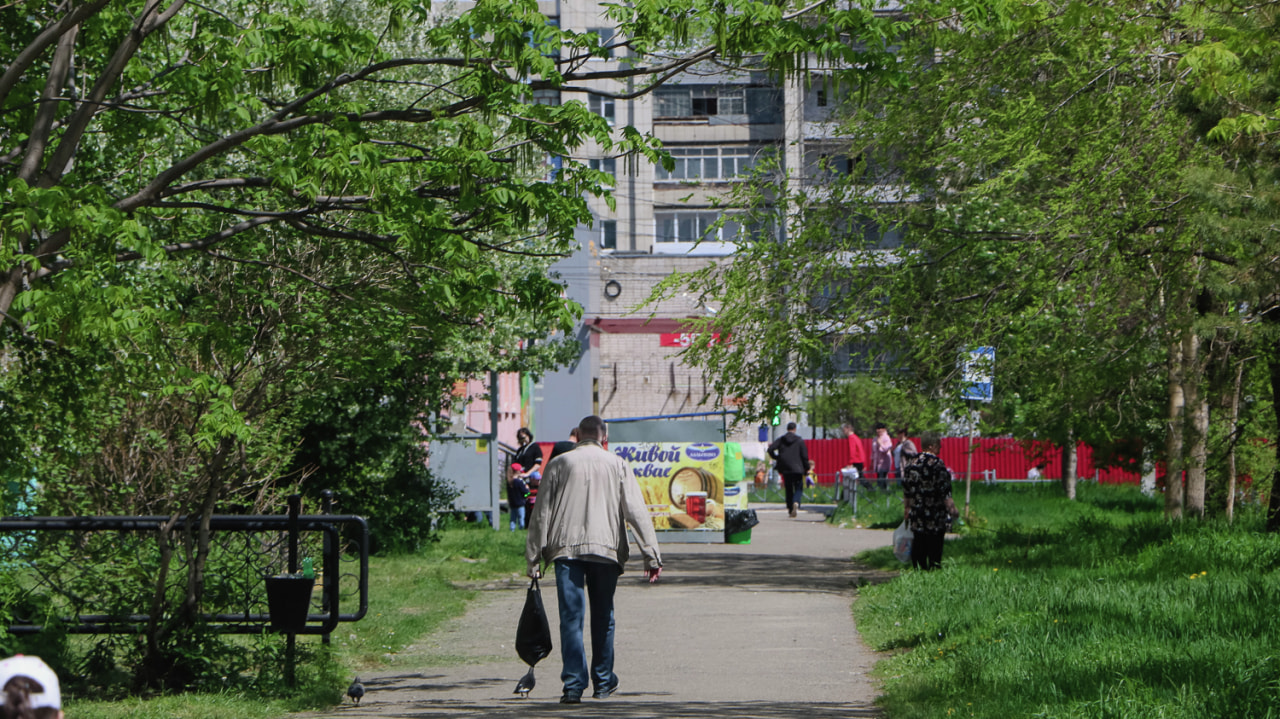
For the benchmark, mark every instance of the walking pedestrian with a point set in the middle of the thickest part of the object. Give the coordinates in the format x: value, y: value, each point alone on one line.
x: 792, y: 462
x: 904, y: 452
x: 586, y: 497
x: 927, y: 506
x: 882, y: 455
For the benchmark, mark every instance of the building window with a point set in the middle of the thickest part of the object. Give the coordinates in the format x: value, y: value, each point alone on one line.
x: 608, y: 234
x: 822, y: 97
x: 672, y: 102
x: 606, y: 39
x: 695, y: 226
x: 546, y: 97
x: 602, y: 106
x: 707, y: 163
x: 700, y: 101
x: 607, y: 165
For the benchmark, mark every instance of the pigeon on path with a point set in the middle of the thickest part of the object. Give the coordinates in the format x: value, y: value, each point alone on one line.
x: 356, y: 690
x: 526, y: 684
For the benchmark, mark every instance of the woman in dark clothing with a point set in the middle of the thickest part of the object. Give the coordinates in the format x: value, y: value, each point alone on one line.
x: 927, y: 507
x: 529, y: 456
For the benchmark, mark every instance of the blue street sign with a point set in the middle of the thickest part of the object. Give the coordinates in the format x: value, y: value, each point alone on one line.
x: 978, y: 370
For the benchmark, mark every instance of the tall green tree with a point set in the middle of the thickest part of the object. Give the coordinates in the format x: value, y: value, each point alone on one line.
x: 1043, y: 163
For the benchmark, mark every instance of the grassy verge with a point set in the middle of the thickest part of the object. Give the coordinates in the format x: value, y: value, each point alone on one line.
x: 1095, y: 608
x: 410, y: 596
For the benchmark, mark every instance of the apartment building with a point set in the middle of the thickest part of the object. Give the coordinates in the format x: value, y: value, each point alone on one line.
x: 717, y: 126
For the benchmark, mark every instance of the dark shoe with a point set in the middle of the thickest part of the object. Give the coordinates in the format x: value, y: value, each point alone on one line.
x: 606, y: 692
x: 571, y: 698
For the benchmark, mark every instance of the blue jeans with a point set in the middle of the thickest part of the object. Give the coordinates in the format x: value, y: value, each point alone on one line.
x: 517, y: 518
x: 599, y: 580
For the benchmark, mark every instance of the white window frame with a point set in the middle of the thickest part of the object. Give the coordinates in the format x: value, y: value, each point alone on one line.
x: 677, y: 232
x: 692, y: 163
x: 604, y: 106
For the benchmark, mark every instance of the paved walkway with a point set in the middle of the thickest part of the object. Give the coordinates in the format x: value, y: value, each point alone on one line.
x: 758, y: 631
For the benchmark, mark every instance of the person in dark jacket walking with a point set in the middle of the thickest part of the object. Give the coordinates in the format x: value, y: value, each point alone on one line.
x: 792, y: 462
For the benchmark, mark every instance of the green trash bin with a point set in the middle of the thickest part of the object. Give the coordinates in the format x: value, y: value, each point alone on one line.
x: 738, y: 524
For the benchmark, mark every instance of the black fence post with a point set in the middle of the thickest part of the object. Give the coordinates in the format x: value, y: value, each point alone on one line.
x: 291, y: 641
x: 330, y: 573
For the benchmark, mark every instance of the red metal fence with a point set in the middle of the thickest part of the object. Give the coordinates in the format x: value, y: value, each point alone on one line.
x: 1009, y: 458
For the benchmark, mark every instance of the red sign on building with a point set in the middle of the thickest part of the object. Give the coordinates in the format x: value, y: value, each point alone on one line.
x: 684, y: 339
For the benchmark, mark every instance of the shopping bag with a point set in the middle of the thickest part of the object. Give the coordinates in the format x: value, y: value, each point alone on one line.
x: 902, y: 537
x: 533, y: 634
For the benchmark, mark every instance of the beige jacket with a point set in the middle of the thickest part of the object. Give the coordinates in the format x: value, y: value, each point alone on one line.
x: 586, y: 497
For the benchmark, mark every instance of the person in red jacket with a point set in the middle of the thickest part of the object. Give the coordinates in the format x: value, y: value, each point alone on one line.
x: 857, y: 454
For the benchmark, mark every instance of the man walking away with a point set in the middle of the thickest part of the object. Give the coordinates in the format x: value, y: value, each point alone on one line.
x: 792, y: 462
x: 579, y: 527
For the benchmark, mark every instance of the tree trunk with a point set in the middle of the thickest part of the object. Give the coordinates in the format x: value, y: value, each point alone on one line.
x: 1231, y: 443
x: 1173, y: 442
x: 1069, y: 461
x: 1198, y: 424
x: 1273, y: 362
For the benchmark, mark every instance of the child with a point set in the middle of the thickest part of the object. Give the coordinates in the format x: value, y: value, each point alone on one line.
x: 532, y: 479
x: 517, y: 498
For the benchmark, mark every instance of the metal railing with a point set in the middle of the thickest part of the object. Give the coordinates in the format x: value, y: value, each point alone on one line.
x: 64, y: 565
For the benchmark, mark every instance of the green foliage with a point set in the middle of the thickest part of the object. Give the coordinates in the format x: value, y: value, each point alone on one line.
x: 1086, y: 609
x: 1081, y: 187
x: 865, y: 400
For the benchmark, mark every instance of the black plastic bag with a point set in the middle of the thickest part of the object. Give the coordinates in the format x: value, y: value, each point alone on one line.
x: 739, y: 520
x: 533, y: 635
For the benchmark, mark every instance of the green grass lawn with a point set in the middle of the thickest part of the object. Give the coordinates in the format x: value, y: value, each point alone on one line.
x: 411, y: 595
x: 1094, y: 608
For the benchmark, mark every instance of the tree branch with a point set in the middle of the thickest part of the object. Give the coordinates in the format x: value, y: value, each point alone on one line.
x: 47, y: 37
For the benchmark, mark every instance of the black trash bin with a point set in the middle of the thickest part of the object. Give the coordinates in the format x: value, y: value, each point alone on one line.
x: 289, y: 601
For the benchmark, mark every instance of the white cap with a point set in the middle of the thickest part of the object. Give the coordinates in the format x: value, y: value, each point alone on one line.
x: 33, y: 668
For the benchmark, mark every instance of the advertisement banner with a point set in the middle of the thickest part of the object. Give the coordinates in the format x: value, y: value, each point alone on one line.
x: 682, y: 482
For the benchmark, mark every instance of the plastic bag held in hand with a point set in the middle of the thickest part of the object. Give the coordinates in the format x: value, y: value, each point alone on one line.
x: 902, y: 537
x: 533, y: 634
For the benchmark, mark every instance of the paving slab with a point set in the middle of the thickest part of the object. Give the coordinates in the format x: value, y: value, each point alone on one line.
x: 757, y: 630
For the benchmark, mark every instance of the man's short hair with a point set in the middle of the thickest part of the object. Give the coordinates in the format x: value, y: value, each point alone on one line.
x: 791, y: 426
x: 591, y: 427
x: 573, y: 433
x: 930, y: 440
